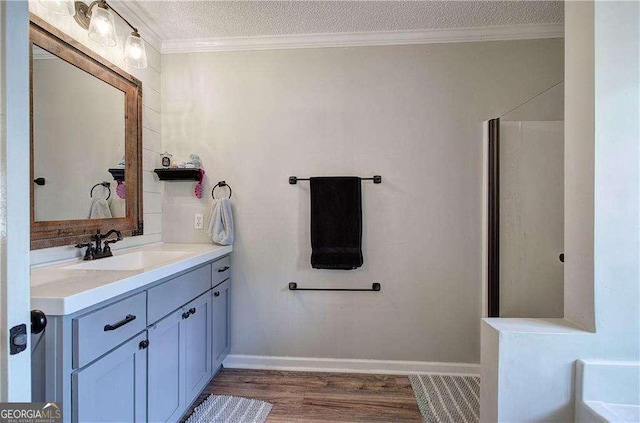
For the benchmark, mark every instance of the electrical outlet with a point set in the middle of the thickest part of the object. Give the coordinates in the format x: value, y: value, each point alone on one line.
x: 198, y: 221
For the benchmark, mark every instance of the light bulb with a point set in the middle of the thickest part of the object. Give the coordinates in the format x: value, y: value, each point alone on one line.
x: 102, y: 26
x: 135, y: 52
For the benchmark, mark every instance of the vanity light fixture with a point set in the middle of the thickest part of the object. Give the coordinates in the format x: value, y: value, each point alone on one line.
x: 102, y: 26
x: 134, y: 53
x: 99, y: 21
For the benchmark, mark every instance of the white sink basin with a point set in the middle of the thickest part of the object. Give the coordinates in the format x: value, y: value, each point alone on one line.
x: 131, y: 261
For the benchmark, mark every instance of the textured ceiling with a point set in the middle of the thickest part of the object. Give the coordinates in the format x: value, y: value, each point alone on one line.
x: 181, y: 20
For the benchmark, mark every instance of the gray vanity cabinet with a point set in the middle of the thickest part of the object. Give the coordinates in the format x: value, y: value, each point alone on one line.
x: 113, y: 388
x: 221, y: 297
x: 197, y: 345
x: 164, y: 391
x: 143, y: 356
x: 179, y: 359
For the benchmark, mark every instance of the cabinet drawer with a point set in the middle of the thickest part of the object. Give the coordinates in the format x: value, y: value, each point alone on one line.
x: 165, y: 298
x: 97, y: 332
x: 220, y: 270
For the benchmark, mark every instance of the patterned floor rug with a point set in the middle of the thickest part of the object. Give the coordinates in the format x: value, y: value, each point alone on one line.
x: 447, y: 399
x: 227, y: 409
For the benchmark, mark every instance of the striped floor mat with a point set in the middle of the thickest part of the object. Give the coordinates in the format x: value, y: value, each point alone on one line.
x: 227, y: 409
x: 447, y: 399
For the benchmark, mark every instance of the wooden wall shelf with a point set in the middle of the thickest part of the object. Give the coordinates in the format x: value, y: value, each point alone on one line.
x: 117, y: 172
x: 177, y: 174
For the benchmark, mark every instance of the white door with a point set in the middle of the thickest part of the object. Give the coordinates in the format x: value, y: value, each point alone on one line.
x: 15, y: 369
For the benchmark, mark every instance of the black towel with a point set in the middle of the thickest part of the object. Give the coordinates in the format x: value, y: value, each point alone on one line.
x: 336, y: 222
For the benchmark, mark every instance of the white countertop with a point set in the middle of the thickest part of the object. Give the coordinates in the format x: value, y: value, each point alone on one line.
x: 58, y: 291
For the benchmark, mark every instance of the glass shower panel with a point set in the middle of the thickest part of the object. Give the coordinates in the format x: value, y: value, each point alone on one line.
x: 531, y: 208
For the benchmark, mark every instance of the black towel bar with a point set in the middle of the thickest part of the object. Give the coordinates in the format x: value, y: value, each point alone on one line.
x: 377, y: 179
x: 293, y: 286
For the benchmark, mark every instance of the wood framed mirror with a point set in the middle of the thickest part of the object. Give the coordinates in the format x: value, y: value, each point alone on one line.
x: 86, y: 142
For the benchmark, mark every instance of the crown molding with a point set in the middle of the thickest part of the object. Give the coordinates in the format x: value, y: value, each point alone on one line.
x: 147, y: 32
x: 432, y: 36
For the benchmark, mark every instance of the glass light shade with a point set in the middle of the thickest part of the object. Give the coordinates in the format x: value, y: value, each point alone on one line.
x: 61, y: 7
x: 134, y: 52
x: 102, y: 28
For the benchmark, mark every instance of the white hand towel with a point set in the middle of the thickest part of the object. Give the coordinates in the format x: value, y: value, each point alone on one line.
x: 99, y: 209
x: 220, y: 228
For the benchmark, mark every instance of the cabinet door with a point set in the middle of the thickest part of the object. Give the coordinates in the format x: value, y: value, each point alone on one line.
x: 197, y: 345
x: 165, y: 385
x: 114, y: 388
x: 221, y: 296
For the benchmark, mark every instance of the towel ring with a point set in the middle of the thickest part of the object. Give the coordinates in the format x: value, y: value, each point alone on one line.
x: 220, y: 184
x: 105, y: 184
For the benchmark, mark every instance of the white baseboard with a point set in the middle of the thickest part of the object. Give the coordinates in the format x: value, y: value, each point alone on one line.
x: 309, y: 364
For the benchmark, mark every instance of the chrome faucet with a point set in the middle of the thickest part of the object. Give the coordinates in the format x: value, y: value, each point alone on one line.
x: 99, y: 251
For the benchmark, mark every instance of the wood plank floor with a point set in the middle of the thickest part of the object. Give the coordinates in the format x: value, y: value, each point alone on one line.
x: 321, y: 397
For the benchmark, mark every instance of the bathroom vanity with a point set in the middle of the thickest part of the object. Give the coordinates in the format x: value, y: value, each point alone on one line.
x: 133, y: 337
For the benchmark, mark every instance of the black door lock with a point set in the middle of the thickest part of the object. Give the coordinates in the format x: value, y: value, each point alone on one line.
x: 18, y: 339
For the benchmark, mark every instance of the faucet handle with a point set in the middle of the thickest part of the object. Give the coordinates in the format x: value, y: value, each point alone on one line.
x: 107, y: 248
x: 88, y: 255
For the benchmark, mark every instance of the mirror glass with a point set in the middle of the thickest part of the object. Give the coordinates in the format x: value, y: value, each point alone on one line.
x: 78, y: 135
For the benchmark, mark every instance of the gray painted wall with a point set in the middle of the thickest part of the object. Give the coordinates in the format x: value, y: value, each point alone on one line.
x: 410, y: 113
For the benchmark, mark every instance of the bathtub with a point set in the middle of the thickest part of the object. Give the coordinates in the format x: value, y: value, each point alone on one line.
x: 607, y: 391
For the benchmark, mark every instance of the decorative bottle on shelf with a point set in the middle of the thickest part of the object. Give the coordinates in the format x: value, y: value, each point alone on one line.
x: 166, y: 159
